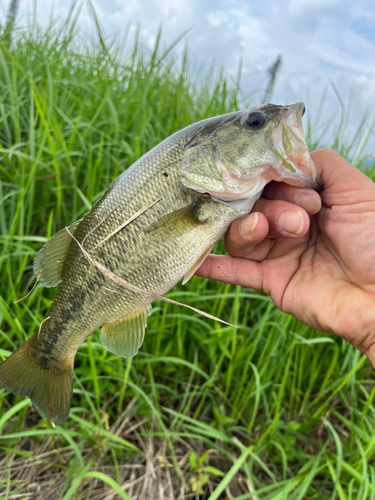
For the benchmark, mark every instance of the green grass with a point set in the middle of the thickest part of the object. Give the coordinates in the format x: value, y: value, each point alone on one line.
x: 272, y: 411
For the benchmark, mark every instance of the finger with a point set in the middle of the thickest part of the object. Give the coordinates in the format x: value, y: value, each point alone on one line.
x: 232, y: 270
x: 273, y: 219
x: 260, y: 252
x: 245, y: 234
x: 341, y: 180
x: 284, y: 219
x: 308, y: 199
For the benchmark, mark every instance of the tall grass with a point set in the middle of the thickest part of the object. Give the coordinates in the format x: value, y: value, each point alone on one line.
x: 274, y: 410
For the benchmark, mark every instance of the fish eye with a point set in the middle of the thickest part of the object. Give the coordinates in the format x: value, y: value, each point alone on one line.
x: 303, y: 111
x: 255, y: 121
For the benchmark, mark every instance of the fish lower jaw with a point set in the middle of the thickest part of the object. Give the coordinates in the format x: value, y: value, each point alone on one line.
x: 298, y: 178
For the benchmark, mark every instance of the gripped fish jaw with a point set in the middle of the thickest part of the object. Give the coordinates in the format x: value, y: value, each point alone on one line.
x: 233, y: 163
x: 296, y: 166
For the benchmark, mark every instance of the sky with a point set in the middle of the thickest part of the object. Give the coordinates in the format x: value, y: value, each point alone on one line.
x: 324, y: 43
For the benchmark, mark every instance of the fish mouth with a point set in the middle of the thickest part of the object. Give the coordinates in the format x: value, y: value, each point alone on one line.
x: 305, y: 164
x: 295, y: 166
x: 284, y: 157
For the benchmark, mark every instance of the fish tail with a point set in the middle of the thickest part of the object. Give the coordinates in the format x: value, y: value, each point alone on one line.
x: 47, y: 383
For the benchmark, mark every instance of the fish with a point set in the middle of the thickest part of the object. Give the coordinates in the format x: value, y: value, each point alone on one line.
x: 154, y: 225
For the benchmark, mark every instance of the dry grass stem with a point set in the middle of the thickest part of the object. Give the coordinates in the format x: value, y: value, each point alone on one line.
x: 41, y: 324
x: 53, y: 176
x: 43, y: 475
x: 174, y: 302
x: 99, y: 224
x: 125, y: 284
x: 36, y: 282
x: 133, y: 217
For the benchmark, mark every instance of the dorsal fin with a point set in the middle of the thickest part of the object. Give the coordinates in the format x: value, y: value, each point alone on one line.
x: 125, y: 337
x: 49, y: 261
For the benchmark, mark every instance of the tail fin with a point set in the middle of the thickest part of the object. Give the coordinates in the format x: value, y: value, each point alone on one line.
x: 49, y: 387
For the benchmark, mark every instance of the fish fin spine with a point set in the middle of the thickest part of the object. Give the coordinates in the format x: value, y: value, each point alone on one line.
x: 49, y: 387
x: 197, y: 264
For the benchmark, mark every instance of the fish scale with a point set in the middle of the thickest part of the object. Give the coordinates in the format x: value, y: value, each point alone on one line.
x: 204, y: 177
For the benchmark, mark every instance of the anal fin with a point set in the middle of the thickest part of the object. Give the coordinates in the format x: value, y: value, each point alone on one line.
x: 49, y: 261
x: 125, y: 337
x: 199, y: 262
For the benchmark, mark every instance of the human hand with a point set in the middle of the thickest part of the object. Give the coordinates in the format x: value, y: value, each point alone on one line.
x: 314, y: 256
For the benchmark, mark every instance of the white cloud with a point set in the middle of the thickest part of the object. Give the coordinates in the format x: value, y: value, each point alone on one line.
x: 302, y: 7
x: 216, y: 19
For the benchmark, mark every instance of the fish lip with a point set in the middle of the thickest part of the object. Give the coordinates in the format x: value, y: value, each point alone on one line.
x: 306, y: 164
x: 306, y: 174
x: 316, y: 183
x: 292, y: 115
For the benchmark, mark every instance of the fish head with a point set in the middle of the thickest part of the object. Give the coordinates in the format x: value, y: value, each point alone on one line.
x: 234, y: 156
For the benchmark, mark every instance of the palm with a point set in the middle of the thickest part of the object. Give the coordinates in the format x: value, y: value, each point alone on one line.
x: 325, y: 278
x: 311, y: 277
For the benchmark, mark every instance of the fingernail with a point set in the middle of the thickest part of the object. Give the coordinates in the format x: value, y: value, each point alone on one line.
x: 291, y: 221
x: 248, y: 225
x: 308, y: 200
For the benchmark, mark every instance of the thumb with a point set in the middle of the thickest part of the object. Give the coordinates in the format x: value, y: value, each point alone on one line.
x: 341, y: 181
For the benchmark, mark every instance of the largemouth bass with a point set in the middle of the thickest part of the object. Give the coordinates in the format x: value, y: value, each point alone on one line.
x: 186, y: 192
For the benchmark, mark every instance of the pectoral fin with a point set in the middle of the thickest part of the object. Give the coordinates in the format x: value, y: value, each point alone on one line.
x: 125, y: 337
x: 49, y: 261
x: 181, y: 220
x: 199, y: 262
